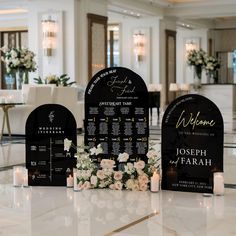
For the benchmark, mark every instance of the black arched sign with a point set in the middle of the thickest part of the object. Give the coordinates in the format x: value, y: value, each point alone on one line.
x: 192, y: 144
x: 116, y: 114
x: 46, y: 128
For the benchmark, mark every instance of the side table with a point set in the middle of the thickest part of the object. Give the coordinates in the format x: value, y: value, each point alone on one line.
x: 5, y: 107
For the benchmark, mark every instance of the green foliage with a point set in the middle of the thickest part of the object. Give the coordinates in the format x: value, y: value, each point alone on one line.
x: 62, y: 80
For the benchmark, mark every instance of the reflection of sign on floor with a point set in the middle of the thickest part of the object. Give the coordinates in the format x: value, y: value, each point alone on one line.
x: 46, y: 128
x: 192, y: 144
x: 116, y: 113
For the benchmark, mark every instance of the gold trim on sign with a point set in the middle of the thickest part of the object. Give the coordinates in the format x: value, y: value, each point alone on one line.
x: 131, y: 224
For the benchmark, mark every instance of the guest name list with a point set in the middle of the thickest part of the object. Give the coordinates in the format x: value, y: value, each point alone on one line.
x: 116, y: 114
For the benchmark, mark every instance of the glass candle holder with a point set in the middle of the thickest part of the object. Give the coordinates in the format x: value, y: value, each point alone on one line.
x: 18, y: 176
x: 218, y: 183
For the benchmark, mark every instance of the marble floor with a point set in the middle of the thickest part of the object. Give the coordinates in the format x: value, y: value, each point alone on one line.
x: 48, y: 211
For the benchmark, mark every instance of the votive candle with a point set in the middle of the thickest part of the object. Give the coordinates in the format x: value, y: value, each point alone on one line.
x: 218, y: 183
x: 17, y: 176
x: 155, y: 182
x: 69, y: 181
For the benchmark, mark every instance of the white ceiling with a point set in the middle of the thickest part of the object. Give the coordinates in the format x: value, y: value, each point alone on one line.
x: 197, y: 13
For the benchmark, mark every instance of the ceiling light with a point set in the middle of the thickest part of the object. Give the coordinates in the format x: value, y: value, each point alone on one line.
x: 13, y: 11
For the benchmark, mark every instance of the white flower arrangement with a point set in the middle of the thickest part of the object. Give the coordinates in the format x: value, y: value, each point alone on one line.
x: 200, y: 60
x: 211, y: 66
x: 133, y: 176
x: 196, y: 57
x: 18, y: 60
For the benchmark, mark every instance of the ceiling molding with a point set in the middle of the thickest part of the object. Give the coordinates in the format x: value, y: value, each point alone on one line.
x: 202, y: 12
x: 137, y: 6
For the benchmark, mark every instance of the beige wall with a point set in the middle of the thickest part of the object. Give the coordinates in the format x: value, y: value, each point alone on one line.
x: 225, y: 40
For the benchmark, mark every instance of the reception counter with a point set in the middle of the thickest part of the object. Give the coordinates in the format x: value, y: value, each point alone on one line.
x: 224, y: 96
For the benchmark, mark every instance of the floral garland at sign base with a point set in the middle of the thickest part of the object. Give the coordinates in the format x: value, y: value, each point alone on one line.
x: 132, y: 176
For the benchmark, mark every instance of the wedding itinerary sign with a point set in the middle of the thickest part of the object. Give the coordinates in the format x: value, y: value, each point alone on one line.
x: 47, y: 162
x: 116, y: 114
x: 192, y: 144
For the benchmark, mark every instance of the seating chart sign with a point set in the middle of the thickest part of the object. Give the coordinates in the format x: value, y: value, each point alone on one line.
x: 192, y: 144
x: 116, y: 114
x: 47, y: 162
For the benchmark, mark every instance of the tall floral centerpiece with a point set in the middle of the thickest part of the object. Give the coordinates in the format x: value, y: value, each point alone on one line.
x: 19, y: 62
x: 196, y: 58
x: 211, y: 67
x: 132, y: 176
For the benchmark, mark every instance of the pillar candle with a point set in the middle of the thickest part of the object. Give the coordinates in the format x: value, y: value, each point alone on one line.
x: 17, y: 176
x: 75, y: 179
x: 69, y: 181
x: 218, y: 183
x: 155, y: 181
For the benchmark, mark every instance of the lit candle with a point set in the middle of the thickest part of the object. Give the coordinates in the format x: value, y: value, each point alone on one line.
x: 17, y: 175
x: 155, y: 179
x: 218, y: 183
x: 75, y: 179
x: 69, y: 182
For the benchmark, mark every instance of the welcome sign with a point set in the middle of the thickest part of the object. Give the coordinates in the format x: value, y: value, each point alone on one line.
x: 192, y: 144
x: 116, y: 114
x: 47, y: 162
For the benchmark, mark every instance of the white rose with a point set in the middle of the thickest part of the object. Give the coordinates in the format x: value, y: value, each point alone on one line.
x: 99, y: 149
x: 143, y: 187
x: 139, y: 165
x: 143, y: 179
x: 87, y: 174
x: 118, y: 175
x: 13, y: 54
x: 94, y: 180
x: 129, y: 183
x: 112, y: 187
x: 151, y: 154
x: 118, y: 185
x: 92, y: 151
x: 123, y: 157
x: 86, y: 185
x: 100, y: 174
x: 102, y: 184
x: 67, y: 144
x: 15, y: 62
x: 129, y: 168
x: 80, y: 150
x: 111, y: 164
x: 107, y: 164
x: 135, y: 187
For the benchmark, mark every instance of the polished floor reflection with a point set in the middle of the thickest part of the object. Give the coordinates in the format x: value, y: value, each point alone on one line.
x: 60, y: 211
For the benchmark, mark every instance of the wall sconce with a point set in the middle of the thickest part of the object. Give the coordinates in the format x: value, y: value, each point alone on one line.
x: 173, y: 87
x: 155, y: 87
x: 49, y: 29
x: 139, y: 46
x: 190, y: 45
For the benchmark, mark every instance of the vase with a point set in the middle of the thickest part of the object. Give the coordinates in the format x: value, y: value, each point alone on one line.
x: 197, y: 78
x: 210, y: 78
x: 22, y: 77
